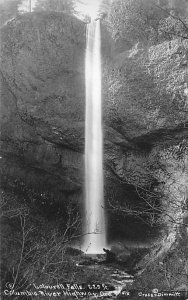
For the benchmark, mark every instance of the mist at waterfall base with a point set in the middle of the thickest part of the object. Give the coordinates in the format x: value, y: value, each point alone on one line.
x: 94, y: 223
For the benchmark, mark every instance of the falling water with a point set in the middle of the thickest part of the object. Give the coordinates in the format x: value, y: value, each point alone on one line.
x: 95, y: 239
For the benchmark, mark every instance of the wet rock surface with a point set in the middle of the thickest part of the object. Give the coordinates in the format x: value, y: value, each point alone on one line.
x: 118, y: 278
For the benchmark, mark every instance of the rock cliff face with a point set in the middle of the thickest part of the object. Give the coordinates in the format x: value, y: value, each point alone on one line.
x: 145, y: 94
x: 147, y: 88
x: 43, y: 100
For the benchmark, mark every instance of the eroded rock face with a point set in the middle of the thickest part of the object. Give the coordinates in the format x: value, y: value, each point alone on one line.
x: 43, y: 100
x: 43, y: 106
x: 146, y: 89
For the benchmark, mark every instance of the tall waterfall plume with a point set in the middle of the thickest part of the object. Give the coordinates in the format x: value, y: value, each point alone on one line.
x: 95, y: 238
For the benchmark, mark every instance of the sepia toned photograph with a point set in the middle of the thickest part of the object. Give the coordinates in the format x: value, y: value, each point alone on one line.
x: 94, y: 149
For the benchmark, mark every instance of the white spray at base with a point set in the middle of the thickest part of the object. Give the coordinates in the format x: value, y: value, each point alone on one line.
x: 94, y: 228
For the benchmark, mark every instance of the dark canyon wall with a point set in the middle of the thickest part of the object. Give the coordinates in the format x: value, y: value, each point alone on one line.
x: 145, y: 96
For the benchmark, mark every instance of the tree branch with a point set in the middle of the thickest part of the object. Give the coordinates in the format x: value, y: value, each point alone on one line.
x: 171, y: 15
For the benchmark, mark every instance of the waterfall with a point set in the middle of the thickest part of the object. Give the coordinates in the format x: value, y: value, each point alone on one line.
x: 95, y: 238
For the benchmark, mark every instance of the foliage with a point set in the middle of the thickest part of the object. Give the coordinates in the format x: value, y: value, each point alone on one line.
x: 66, y: 6
x: 161, y: 203
x: 35, y: 249
x: 170, y: 272
x: 135, y: 21
x: 173, y: 26
x: 149, y: 22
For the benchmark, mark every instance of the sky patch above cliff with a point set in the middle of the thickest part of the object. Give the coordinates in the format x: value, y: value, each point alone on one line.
x: 89, y: 8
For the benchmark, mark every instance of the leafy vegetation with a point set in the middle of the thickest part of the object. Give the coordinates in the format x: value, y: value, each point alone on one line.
x: 148, y: 22
x: 36, y: 249
x: 170, y: 272
x: 66, y: 6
